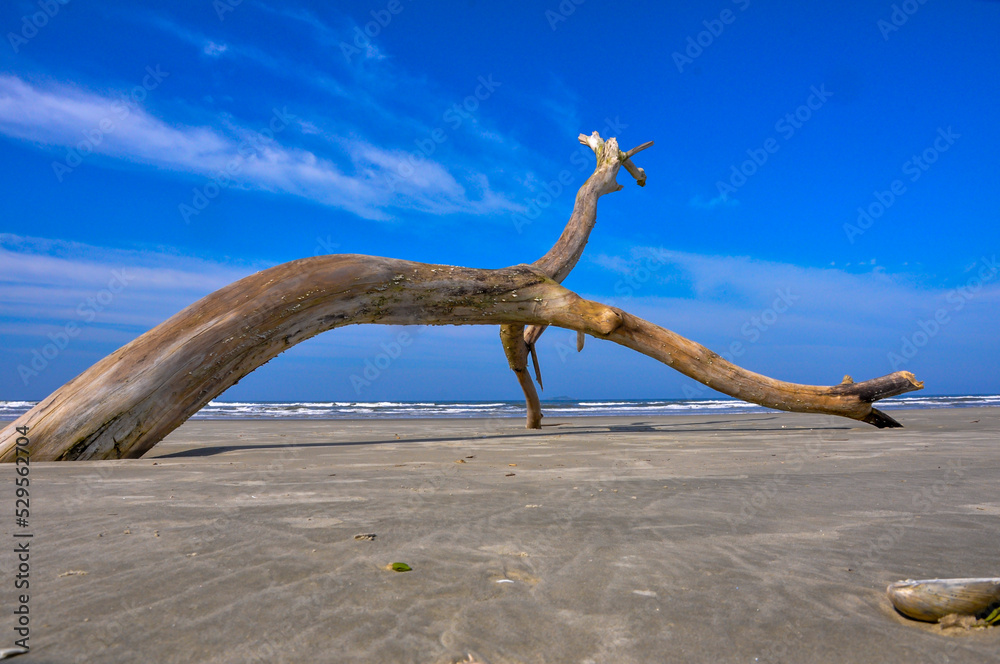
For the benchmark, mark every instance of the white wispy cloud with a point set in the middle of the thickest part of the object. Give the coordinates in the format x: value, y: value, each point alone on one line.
x: 62, y: 116
x: 875, y: 299
x: 213, y: 49
x: 115, y: 294
x: 49, y: 282
x: 207, y: 45
x: 386, y: 99
x: 87, y: 300
x: 562, y: 104
x: 698, y: 202
x: 811, y: 324
x: 828, y: 321
x: 358, y: 85
x: 351, y: 40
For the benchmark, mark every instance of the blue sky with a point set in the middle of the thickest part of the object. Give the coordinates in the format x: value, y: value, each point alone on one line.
x: 822, y: 194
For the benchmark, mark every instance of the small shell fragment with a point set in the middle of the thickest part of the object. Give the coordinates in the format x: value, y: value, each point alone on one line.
x: 931, y: 600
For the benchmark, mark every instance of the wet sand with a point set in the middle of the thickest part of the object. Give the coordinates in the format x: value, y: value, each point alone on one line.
x: 708, y: 538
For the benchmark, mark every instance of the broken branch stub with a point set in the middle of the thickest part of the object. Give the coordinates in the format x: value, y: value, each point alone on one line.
x: 127, y: 402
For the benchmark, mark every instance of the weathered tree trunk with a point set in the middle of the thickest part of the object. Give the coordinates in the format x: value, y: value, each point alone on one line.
x: 130, y: 400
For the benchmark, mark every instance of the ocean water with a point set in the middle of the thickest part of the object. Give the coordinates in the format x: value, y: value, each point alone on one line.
x: 338, y: 410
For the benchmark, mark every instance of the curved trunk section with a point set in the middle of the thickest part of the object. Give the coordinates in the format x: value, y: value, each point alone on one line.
x: 130, y: 400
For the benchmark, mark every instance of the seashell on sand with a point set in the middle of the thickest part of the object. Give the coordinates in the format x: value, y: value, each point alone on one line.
x: 931, y: 600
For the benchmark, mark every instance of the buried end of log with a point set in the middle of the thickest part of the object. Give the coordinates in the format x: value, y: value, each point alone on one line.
x: 880, y: 420
x: 871, y: 391
x: 848, y: 399
x: 880, y: 388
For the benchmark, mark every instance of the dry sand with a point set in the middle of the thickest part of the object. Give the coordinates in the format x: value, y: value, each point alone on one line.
x: 714, y: 538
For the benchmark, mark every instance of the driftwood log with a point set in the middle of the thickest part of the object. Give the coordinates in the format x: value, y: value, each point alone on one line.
x: 127, y: 402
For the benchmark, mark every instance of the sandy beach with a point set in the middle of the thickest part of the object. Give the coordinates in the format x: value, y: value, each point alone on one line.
x: 703, y: 538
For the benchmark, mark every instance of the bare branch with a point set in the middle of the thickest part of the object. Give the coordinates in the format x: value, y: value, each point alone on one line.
x: 636, y: 150
x: 130, y: 400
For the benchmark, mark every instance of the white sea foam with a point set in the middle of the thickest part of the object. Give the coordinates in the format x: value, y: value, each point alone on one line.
x: 493, y: 409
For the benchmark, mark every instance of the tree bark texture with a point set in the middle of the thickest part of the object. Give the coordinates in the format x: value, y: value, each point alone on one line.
x: 127, y: 402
